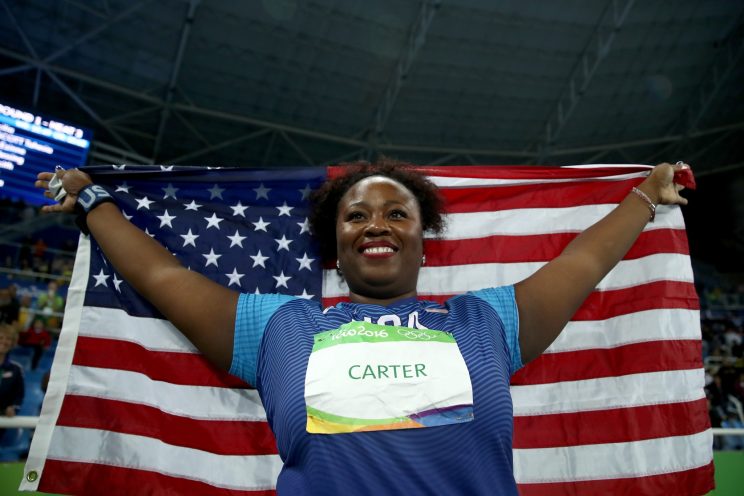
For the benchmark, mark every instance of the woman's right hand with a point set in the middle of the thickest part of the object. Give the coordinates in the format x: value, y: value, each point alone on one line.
x: 73, y: 181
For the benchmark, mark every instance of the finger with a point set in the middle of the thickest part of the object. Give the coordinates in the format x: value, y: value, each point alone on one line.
x: 51, y: 208
x: 48, y: 194
x: 41, y: 184
x: 45, y: 176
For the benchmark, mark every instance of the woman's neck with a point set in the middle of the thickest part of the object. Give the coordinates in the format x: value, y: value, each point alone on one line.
x: 382, y: 301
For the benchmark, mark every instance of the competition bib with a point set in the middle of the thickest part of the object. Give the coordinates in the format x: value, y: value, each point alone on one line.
x: 369, y: 377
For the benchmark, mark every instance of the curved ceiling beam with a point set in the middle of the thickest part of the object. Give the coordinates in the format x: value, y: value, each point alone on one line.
x: 165, y: 113
x: 414, y: 42
x: 594, y: 54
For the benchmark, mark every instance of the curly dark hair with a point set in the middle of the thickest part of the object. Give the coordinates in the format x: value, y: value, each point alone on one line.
x: 324, y: 201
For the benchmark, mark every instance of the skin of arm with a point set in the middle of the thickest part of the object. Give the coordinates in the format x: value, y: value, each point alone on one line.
x: 548, y: 299
x: 201, y: 309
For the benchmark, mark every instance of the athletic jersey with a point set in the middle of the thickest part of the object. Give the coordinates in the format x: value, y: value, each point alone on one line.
x: 273, y: 342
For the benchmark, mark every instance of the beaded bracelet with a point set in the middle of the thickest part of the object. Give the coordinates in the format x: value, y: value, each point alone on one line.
x: 651, y: 205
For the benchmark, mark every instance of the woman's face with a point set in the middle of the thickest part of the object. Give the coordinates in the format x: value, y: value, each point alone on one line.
x: 6, y: 342
x: 379, y: 239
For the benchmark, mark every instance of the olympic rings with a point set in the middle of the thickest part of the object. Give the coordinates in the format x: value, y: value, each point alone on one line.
x: 415, y: 334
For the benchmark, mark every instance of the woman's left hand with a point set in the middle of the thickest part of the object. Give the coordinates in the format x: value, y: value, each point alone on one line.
x: 660, y: 185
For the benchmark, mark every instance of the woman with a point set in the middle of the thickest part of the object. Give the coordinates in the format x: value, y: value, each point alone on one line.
x: 359, y: 403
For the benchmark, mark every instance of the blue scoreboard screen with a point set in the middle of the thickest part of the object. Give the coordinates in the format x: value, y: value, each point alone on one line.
x: 31, y: 143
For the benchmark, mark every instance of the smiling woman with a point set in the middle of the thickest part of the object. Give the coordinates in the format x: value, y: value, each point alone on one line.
x: 425, y: 406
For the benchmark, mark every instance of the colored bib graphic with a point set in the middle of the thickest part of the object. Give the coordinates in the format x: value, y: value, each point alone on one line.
x: 369, y: 377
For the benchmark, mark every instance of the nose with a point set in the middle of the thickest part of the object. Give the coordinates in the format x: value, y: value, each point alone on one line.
x: 377, y: 225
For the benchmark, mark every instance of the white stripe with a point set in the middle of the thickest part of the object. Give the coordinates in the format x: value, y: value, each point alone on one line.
x: 60, y: 367
x: 638, y: 327
x: 459, y: 182
x: 533, y: 221
x: 151, y: 333
x: 200, y: 402
x: 461, y: 278
x: 251, y: 472
x: 651, y: 388
x: 614, y: 460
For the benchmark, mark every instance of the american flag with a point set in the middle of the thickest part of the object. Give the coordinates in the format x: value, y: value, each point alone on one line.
x: 616, y: 404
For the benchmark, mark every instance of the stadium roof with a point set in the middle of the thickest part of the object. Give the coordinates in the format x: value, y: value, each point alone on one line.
x: 291, y: 82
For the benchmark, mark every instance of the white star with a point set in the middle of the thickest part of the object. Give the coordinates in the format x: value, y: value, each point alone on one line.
x: 117, y: 283
x: 305, y: 295
x: 305, y: 192
x: 281, y: 280
x: 234, y: 277
x: 259, y: 259
x: 165, y: 219
x: 147, y: 231
x: 101, y: 279
x: 126, y: 215
x: 304, y: 226
x: 215, y: 192
x: 123, y: 187
x: 144, y: 202
x: 236, y: 239
x: 211, y: 258
x: 170, y: 191
x: 262, y: 192
x: 283, y: 243
x: 284, y: 210
x: 119, y: 167
x: 260, y: 225
x: 167, y: 168
x: 213, y: 221
x: 305, y: 262
x: 192, y: 206
x: 238, y: 209
x: 189, y: 238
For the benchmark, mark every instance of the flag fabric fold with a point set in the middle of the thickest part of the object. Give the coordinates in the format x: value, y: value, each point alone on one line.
x: 615, y: 405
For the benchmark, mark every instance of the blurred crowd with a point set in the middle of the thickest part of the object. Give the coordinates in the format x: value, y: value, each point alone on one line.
x: 722, y: 325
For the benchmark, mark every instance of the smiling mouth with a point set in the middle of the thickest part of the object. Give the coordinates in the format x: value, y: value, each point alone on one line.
x: 378, y: 251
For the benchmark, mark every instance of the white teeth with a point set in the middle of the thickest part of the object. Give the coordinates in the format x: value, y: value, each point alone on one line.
x: 379, y: 249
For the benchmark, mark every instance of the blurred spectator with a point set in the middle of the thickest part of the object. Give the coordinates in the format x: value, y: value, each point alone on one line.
x: 11, y: 382
x: 732, y: 421
x: 37, y: 338
x: 49, y: 303
x: 26, y: 312
x: 9, y: 305
x: 732, y: 337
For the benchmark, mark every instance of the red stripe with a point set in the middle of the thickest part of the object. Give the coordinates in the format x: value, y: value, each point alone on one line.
x: 603, y: 305
x: 595, y: 363
x: 217, y: 436
x: 537, y: 172
x: 686, y: 482
x: 617, y: 425
x: 548, y: 195
x: 653, y: 295
x: 190, y: 369
x: 513, y: 171
x: 539, y: 248
x: 92, y: 479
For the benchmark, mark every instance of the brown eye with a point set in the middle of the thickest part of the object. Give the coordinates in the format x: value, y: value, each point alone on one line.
x: 354, y: 216
x: 398, y: 214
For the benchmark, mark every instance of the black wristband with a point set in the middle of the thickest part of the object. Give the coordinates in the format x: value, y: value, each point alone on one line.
x: 89, y: 198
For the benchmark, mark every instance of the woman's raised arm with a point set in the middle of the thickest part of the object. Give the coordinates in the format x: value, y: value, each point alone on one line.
x: 548, y: 299
x: 201, y: 309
